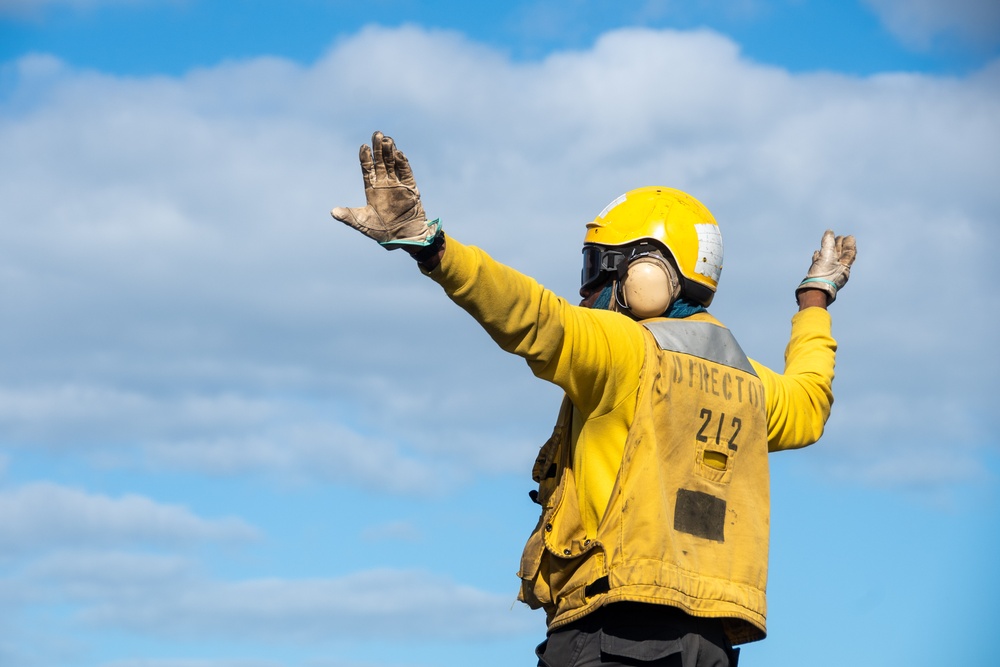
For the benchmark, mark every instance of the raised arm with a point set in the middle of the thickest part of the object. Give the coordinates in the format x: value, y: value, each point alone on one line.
x: 799, y: 399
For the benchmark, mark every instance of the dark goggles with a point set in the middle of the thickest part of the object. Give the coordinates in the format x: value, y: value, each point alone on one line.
x: 599, y: 262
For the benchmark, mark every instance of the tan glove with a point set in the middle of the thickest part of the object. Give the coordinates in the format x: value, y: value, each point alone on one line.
x: 831, y: 265
x: 394, y: 215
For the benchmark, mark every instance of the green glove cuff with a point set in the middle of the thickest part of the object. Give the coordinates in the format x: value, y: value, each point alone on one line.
x: 422, y: 241
x: 820, y: 280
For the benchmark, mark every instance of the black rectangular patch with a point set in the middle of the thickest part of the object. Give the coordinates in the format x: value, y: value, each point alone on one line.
x: 700, y: 514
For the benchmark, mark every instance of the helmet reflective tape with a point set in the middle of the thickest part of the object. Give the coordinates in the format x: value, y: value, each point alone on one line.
x: 709, y: 262
x: 607, y: 209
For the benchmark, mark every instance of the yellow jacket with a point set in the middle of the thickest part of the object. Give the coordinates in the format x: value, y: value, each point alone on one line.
x: 612, y: 525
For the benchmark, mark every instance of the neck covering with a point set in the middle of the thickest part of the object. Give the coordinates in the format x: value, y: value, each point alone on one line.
x: 604, y: 300
x: 681, y: 308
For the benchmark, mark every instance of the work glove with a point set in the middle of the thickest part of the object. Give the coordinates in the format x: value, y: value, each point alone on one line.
x: 831, y: 266
x: 394, y: 215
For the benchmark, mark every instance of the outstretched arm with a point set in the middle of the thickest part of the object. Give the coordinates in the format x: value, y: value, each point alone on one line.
x: 562, y: 343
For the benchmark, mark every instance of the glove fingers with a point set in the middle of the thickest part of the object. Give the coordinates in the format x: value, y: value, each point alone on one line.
x: 849, y: 251
x: 828, y: 246
x: 362, y: 218
x: 367, y: 168
x: 404, y: 172
x: 389, y: 158
x: 345, y: 215
x: 377, y: 157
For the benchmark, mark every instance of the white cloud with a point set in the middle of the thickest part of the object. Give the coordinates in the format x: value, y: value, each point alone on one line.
x: 919, y: 23
x: 67, y: 576
x: 109, y: 414
x: 179, y: 290
x: 46, y: 516
x: 227, y: 434
x: 164, y: 597
x: 307, y: 451
x: 402, y: 604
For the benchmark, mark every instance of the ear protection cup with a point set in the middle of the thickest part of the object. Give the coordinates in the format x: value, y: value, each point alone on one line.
x: 649, y: 286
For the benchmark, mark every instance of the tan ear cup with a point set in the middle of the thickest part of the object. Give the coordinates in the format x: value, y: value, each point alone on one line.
x: 649, y: 287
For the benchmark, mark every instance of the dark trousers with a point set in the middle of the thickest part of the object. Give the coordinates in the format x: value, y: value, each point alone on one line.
x: 632, y: 633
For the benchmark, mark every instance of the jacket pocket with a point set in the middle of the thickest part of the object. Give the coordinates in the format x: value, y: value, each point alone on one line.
x: 642, y: 650
x: 535, y: 590
x: 545, y: 471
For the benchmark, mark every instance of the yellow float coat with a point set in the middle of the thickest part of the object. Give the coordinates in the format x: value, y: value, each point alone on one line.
x: 632, y: 506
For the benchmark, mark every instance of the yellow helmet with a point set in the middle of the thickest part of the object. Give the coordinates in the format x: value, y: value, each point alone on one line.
x: 673, y: 220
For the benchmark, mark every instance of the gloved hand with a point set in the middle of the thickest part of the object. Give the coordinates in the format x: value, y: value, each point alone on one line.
x: 394, y: 215
x: 831, y: 265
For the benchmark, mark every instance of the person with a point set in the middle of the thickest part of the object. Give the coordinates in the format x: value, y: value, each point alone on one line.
x: 652, y: 543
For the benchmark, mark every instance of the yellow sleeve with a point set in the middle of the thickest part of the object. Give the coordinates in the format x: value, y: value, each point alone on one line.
x: 595, y: 356
x: 799, y: 400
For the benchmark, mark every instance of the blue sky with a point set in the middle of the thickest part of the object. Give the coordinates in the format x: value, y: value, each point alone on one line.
x: 233, y: 434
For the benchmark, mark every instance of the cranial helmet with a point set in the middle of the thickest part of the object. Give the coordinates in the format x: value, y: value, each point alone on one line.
x: 648, y: 227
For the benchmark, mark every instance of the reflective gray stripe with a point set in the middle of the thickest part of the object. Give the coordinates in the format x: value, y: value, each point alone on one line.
x: 700, y: 339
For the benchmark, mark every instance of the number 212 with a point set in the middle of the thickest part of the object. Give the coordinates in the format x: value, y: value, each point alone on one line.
x: 736, y: 424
